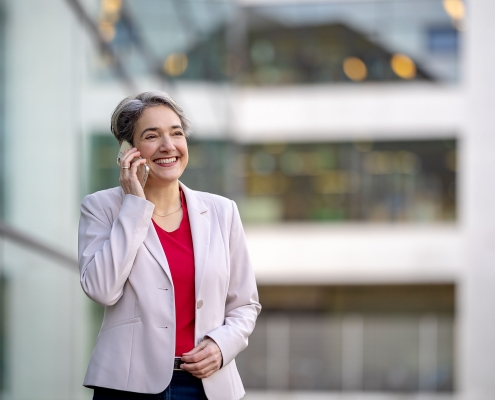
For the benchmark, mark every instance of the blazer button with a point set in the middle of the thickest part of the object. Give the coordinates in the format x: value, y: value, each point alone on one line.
x: 200, y: 304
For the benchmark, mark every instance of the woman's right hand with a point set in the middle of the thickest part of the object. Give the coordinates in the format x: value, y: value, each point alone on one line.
x: 128, y: 173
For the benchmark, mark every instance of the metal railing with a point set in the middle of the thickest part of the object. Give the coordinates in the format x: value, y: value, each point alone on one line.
x: 29, y: 242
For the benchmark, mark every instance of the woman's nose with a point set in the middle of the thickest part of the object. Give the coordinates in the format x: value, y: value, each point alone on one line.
x: 167, y: 144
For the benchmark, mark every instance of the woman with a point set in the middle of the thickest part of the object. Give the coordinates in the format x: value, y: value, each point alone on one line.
x: 169, y: 264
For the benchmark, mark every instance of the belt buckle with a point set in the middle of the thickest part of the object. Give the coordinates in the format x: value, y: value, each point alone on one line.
x: 177, y: 364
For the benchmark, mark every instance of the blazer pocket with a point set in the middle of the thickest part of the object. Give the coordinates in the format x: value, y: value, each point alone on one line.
x: 120, y: 323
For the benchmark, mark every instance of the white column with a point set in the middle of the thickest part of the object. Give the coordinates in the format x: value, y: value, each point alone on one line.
x: 278, y: 350
x: 352, y: 352
x: 428, y: 352
x: 476, y: 365
x: 45, y: 323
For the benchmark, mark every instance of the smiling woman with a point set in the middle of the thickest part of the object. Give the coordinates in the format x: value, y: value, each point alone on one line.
x: 169, y: 264
x: 160, y: 138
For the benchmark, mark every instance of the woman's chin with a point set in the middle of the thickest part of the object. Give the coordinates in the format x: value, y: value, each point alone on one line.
x: 162, y: 179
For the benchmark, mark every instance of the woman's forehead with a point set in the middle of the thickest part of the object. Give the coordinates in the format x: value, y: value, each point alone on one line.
x: 162, y: 116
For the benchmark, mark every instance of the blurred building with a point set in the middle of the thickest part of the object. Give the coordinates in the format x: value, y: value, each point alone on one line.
x: 352, y: 134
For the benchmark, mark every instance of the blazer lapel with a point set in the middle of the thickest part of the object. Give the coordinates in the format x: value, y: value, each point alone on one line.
x: 152, y: 243
x: 200, y: 230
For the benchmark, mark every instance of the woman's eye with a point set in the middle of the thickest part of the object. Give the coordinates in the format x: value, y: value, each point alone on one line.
x: 150, y: 136
x: 179, y: 133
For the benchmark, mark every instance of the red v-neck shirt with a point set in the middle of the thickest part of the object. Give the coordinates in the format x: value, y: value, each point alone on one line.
x: 178, y: 248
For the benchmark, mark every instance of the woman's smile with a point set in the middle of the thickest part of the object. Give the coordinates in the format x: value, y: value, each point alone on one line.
x: 166, y: 162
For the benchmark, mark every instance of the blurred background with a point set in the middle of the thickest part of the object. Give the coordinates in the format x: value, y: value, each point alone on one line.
x: 355, y: 136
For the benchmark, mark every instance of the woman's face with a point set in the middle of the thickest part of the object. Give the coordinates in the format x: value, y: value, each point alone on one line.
x: 159, y: 137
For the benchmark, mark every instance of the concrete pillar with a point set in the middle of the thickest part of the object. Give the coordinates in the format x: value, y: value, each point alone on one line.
x: 476, y: 364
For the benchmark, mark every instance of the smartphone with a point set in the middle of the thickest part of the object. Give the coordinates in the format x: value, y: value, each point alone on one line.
x: 143, y: 170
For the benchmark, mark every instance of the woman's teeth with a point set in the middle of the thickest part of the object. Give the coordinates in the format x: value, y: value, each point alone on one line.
x: 166, y: 160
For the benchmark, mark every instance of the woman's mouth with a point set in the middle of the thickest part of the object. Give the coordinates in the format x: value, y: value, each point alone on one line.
x: 166, y: 162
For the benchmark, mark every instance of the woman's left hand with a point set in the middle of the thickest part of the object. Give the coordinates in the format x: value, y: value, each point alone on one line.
x: 203, y: 360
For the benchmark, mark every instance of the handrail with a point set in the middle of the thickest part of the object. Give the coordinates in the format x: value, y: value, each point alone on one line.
x: 34, y: 244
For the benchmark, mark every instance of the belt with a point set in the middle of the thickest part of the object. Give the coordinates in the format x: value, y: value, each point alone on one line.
x: 177, y: 364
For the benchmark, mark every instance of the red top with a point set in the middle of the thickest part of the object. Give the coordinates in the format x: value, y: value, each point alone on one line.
x: 178, y: 247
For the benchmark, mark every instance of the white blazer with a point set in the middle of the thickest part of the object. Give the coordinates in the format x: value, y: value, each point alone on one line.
x: 123, y: 267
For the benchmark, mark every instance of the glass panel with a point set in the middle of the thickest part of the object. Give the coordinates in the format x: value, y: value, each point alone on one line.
x: 37, y: 289
x: 312, y: 42
x: 2, y: 112
x: 381, y: 181
x: 315, y: 353
x: 207, y: 169
x: 253, y: 360
x: 285, y: 43
x: 103, y: 170
x: 444, y: 373
x: 390, y: 354
x: 3, y: 326
x: 395, y: 338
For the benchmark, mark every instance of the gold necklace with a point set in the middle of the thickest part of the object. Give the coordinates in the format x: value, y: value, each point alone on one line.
x: 168, y: 214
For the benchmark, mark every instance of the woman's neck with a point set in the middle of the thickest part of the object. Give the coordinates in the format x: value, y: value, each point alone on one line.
x: 166, y: 198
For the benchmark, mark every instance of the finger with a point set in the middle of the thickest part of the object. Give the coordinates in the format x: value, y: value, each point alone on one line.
x: 128, y: 151
x: 201, y: 368
x: 210, y: 355
x: 197, y: 349
x: 132, y: 165
x: 196, y: 357
x: 196, y: 365
x: 136, y: 164
x: 206, y: 348
x: 204, y: 371
x: 128, y: 156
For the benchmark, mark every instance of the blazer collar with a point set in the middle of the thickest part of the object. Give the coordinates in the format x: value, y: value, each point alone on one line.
x: 194, y: 201
x: 200, y: 231
x: 152, y: 243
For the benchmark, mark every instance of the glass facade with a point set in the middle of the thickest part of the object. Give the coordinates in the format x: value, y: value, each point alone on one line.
x: 353, y: 41
x: 2, y: 111
x: 104, y: 172
x: 408, y: 181
x: 283, y: 44
x: 360, y: 181
x: 396, y: 338
x: 3, y: 280
x: 384, y: 338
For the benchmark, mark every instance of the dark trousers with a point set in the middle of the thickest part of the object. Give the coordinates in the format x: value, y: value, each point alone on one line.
x: 183, y: 386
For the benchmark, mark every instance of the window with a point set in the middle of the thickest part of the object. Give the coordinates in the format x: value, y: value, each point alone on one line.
x: 408, y: 181
x: 396, y: 338
x: 286, y: 43
x: 103, y: 169
x: 380, y: 181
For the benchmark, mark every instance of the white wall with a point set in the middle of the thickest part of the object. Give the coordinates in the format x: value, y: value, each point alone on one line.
x: 355, y: 253
x: 348, y: 112
x: 46, y: 340
x: 476, y: 303
x: 303, y: 113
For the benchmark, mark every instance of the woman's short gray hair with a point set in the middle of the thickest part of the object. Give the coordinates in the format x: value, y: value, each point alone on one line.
x: 129, y: 110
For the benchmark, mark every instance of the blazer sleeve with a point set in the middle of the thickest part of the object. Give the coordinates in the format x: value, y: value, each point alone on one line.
x: 242, y: 306
x: 106, y: 250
